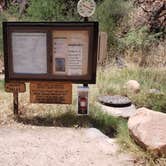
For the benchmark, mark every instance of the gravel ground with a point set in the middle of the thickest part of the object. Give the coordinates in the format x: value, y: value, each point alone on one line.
x: 2, y: 76
x: 54, y: 146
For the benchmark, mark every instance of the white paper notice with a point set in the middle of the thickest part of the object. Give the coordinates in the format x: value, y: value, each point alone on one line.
x: 29, y: 53
x: 74, y: 59
x: 59, y: 56
x: 59, y: 47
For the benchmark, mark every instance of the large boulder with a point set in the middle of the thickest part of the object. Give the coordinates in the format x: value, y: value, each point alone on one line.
x: 148, y: 129
x: 132, y: 86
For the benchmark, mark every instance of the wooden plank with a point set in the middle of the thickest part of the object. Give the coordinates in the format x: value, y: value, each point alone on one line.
x: 15, y: 87
x: 51, y: 92
x: 102, y: 52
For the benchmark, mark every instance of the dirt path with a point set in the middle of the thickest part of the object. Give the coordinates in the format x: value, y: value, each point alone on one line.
x: 2, y: 76
x: 50, y: 146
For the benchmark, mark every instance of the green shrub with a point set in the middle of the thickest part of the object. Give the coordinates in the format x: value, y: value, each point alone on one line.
x: 13, y: 10
x: 44, y: 10
x: 110, y: 13
x: 155, y: 102
x: 52, y: 10
x: 135, y: 38
x: 106, y: 123
x: 2, y: 18
x: 1, y: 85
x: 139, y: 38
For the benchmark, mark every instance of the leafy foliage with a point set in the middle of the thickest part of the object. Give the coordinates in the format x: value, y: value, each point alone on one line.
x: 140, y: 38
x: 135, y: 38
x: 52, y: 10
x: 110, y: 13
x: 2, y: 18
x: 14, y: 9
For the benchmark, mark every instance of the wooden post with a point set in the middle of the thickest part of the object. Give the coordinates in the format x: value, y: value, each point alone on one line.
x: 15, y: 103
x: 85, y: 20
x: 85, y: 85
x: 6, y: 4
x: 102, y: 49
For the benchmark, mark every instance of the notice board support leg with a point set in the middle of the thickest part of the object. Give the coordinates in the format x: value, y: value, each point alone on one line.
x: 86, y: 19
x: 85, y: 85
x: 15, y: 103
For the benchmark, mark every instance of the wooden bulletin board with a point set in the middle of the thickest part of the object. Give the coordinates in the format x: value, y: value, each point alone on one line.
x: 60, y: 51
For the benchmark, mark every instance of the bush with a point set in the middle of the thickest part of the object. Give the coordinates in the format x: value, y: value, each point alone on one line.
x: 155, y: 102
x: 13, y: 10
x: 110, y: 13
x: 2, y: 18
x: 135, y: 38
x: 52, y: 10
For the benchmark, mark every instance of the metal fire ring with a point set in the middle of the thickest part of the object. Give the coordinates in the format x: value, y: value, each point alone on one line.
x: 115, y: 101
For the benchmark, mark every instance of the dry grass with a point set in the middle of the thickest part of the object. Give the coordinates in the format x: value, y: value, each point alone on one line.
x: 112, y: 80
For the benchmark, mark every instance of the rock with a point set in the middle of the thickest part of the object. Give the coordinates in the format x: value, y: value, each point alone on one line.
x: 148, y: 129
x: 155, y: 92
x: 94, y: 133
x: 132, y: 86
x: 120, y: 62
x: 123, y: 112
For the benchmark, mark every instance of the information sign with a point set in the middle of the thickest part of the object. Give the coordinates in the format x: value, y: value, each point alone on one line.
x: 59, y: 51
x: 70, y: 53
x: 29, y: 52
x: 15, y: 87
x: 51, y: 92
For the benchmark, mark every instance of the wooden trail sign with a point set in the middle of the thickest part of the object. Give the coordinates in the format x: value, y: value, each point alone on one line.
x: 102, y: 49
x: 15, y: 87
x: 51, y: 92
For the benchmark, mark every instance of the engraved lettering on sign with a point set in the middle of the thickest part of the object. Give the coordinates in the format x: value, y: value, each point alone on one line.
x: 15, y: 87
x: 47, y: 92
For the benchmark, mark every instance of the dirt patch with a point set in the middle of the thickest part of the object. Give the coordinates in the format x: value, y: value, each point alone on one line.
x: 50, y: 146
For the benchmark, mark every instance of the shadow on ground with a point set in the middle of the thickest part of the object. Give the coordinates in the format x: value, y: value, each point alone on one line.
x: 68, y: 119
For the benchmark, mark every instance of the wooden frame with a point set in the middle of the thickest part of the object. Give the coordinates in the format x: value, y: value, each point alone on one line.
x: 48, y: 28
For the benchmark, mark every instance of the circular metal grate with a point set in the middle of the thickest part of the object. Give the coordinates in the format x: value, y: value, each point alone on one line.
x: 115, y: 101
